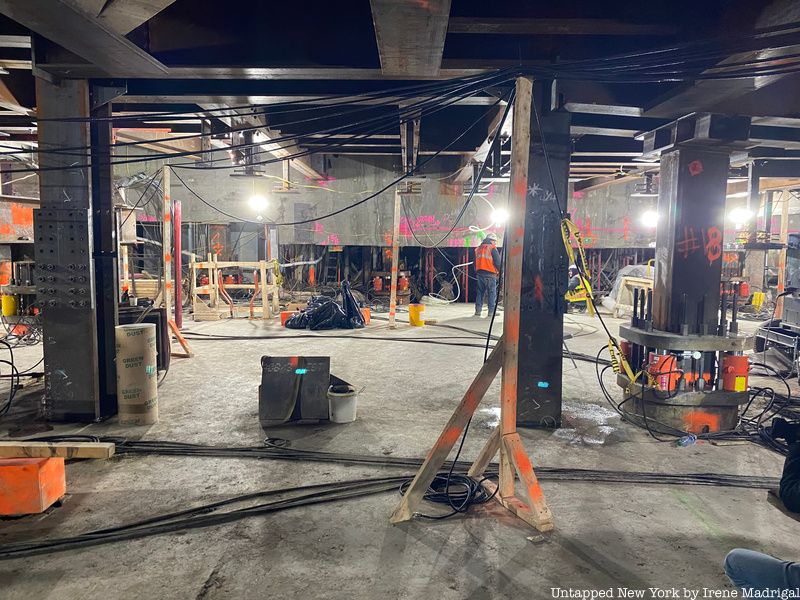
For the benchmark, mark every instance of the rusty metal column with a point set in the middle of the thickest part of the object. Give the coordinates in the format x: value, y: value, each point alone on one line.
x: 63, y: 249
x: 544, y: 265
x: 691, y: 213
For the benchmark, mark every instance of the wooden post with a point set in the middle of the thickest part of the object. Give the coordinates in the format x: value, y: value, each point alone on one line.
x: 449, y: 436
x: 178, y: 262
x: 395, y: 261
x: 784, y: 239
x: 513, y: 458
x: 126, y: 274
x: 262, y: 267
x: 166, y: 241
x: 513, y: 246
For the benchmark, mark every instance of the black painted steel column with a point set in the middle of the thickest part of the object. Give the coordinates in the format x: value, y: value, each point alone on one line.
x: 105, y: 256
x: 544, y: 267
x: 691, y: 212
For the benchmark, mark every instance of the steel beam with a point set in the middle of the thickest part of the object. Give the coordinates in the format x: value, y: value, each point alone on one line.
x: 308, y: 100
x: 82, y: 70
x: 122, y: 16
x: 709, y: 94
x: 539, y: 26
x: 410, y: 35
x: 544, y: 266
x: 84, y: 36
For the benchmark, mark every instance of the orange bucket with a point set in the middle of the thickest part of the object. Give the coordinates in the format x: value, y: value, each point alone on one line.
x: 285, y: 314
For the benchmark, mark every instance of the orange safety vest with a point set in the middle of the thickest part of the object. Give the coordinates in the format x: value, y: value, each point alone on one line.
x: 483, y: 258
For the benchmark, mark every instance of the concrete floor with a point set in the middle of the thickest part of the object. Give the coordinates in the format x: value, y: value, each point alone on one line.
x: 607, y: 535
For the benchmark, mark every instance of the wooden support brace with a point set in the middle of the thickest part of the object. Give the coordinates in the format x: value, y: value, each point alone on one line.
x: 513, y: 459
x: 187, y: 350
x: 449, y: 436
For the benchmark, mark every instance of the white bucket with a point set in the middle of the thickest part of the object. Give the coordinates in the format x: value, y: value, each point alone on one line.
x: 343, y: 404
x: 137, y: 376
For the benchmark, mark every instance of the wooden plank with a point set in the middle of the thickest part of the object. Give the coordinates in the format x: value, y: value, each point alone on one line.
x: 187, y: 350
x: 540, y: 513
x: 784, y: 239
x: 56, y: 449
x: 514, y: 246
x: 449, y: 436
x: 486, y: 454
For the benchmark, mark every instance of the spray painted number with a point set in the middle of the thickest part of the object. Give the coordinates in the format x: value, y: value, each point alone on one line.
x: 711, y: 243
x: 216, y: 244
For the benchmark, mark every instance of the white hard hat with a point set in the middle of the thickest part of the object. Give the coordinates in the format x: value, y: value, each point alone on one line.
x: 491, y: 236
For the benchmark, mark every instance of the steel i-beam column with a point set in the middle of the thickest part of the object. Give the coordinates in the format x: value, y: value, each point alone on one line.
x: 691, y: 209
x: 105, y: 249
x: 64, y: 249
x: 544, y: 266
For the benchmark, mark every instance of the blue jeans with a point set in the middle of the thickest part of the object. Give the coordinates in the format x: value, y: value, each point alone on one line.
x: 487, y: 289
x: 752, y: 570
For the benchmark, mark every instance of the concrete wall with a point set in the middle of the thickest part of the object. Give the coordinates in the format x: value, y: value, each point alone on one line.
x: 609, y: 217
x: 430, y: 215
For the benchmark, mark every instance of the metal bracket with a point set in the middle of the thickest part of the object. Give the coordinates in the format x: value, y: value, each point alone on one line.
x: 103, y: 94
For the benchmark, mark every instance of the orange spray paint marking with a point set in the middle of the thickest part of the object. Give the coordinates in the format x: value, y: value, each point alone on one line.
x: 713, y: 244
x: 21, y: 214
x: 700, y: 421
x: 538, y: 289
x: 450, y: 436
x: 294, y: 361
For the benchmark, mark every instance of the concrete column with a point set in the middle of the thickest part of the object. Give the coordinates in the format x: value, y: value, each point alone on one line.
x: 544, y: 266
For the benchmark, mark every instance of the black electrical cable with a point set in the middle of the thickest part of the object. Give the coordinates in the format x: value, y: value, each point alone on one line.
x: 15, y: 379
x: 477, y: 178
x: 407, y: 112
x: 351, y: 206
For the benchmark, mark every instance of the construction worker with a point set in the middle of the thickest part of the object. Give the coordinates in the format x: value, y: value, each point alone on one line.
x: 757, y: 572
x: 487, y: 270
x: 576, y: 291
